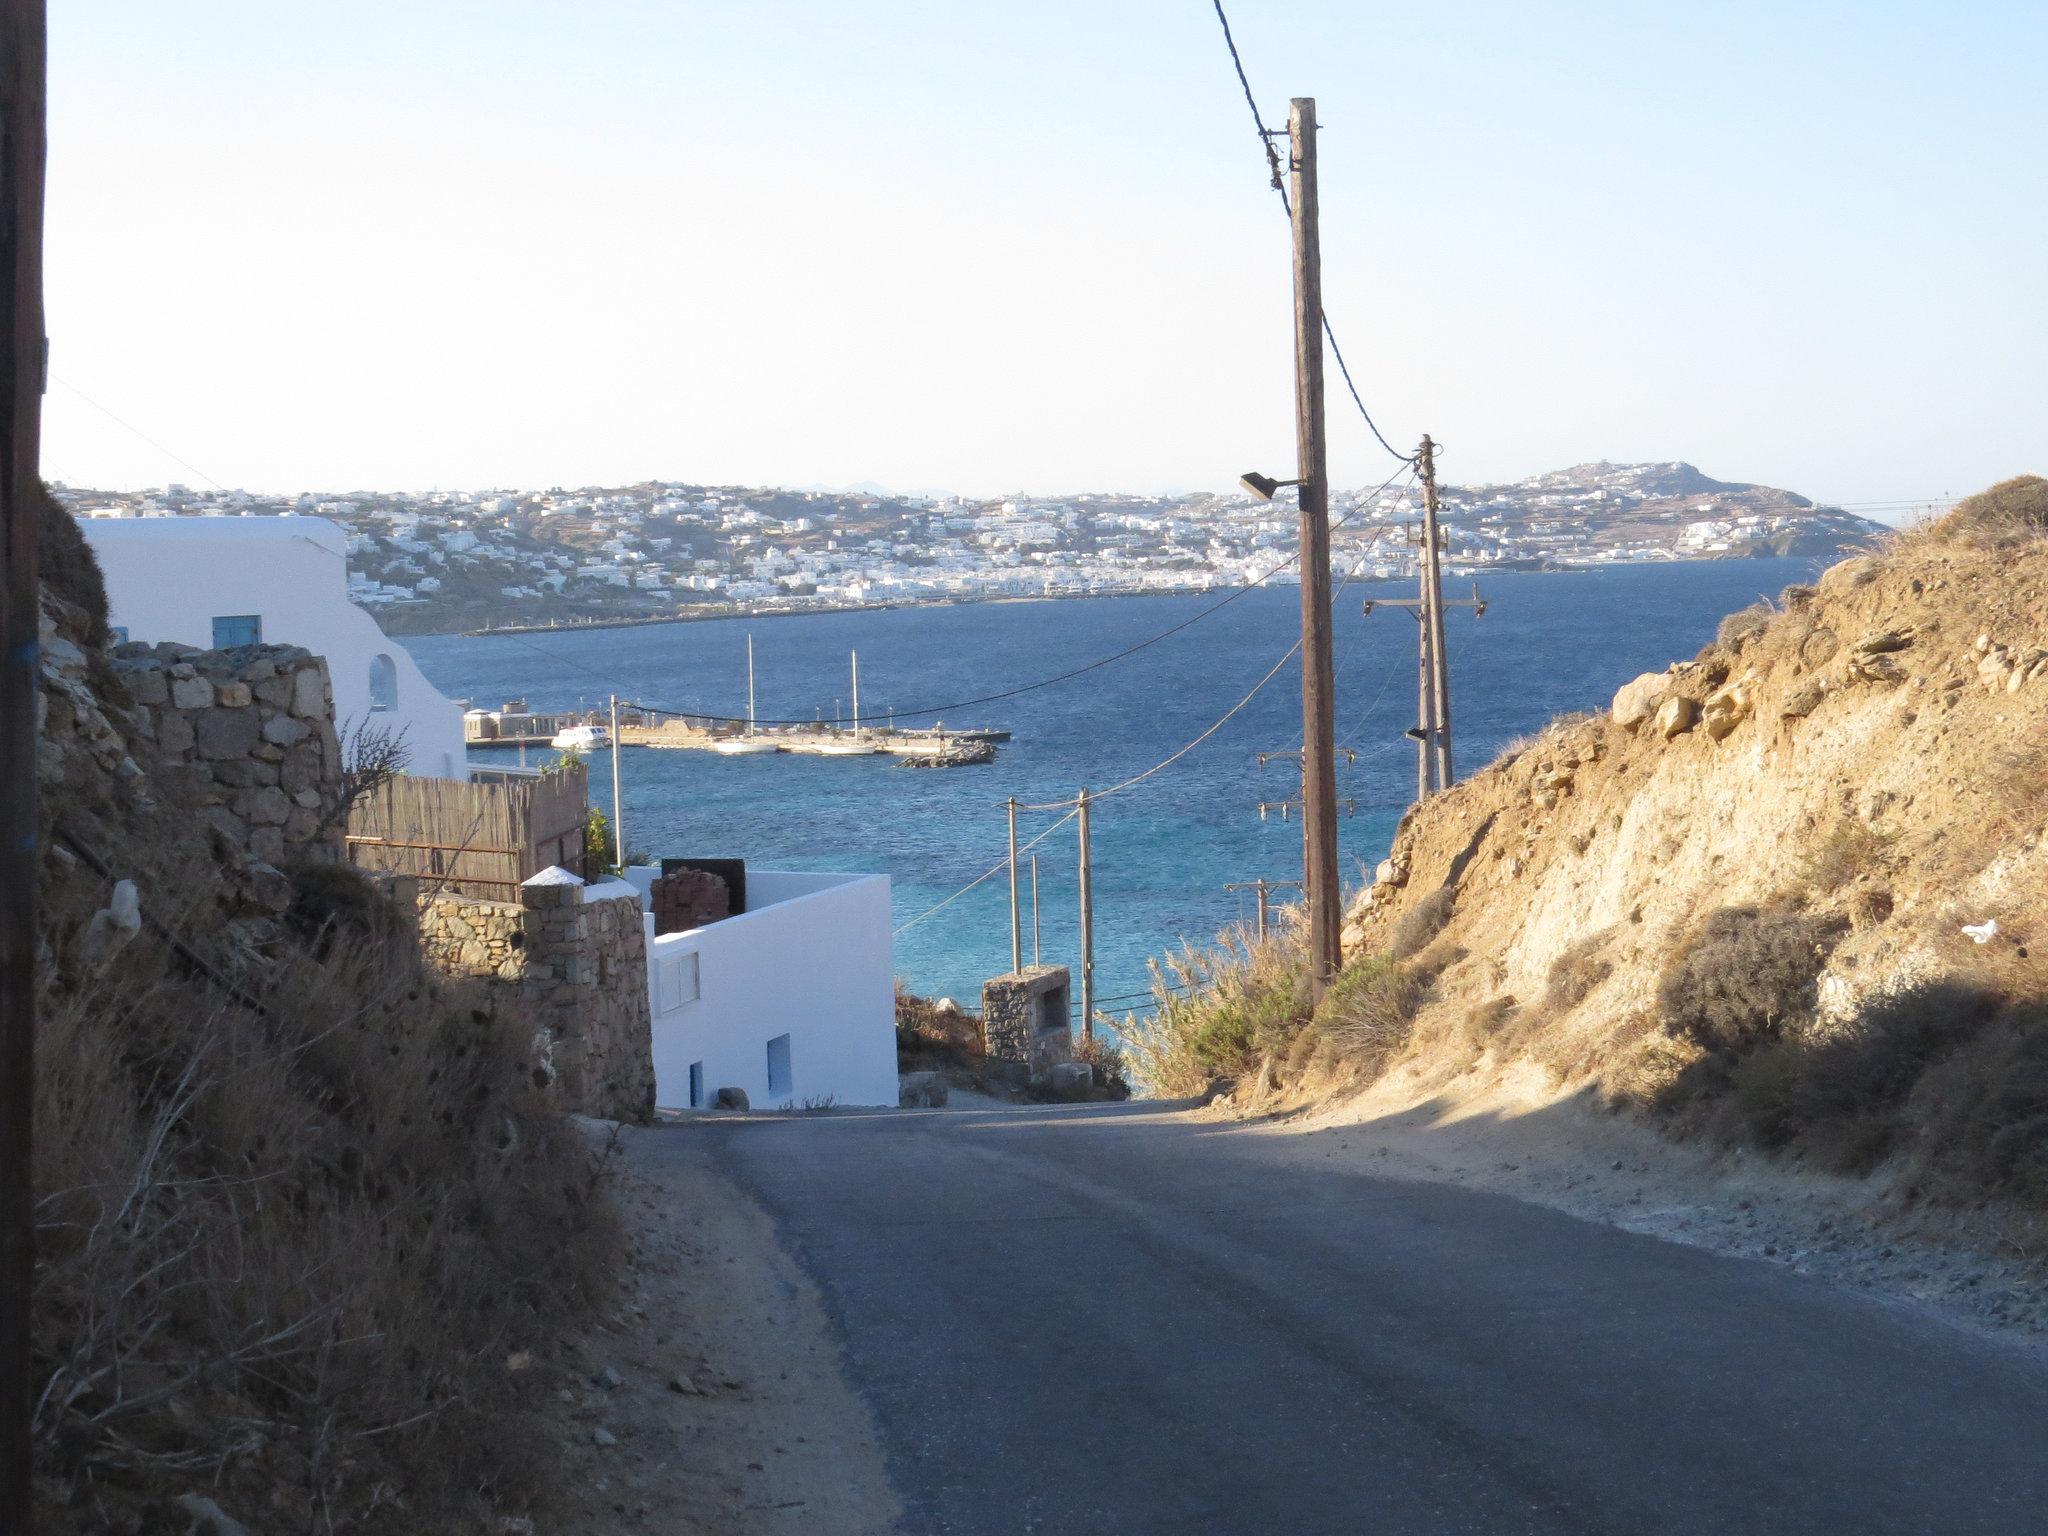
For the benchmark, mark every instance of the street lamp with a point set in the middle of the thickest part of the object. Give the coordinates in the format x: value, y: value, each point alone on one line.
x: 1263, y: 486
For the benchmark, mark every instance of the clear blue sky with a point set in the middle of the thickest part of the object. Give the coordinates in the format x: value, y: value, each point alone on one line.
x: 1030, y: 247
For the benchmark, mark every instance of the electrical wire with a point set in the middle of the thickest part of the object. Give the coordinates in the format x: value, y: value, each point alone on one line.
x: 1266, y: 137
x: 995, y: 869
x: 117, y: 421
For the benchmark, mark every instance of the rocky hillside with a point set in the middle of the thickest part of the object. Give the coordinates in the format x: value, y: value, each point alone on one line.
x: 1792, y: 892
x: 1790, y: 895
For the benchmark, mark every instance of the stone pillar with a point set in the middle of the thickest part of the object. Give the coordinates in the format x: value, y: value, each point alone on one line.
x: 1025, y: 1022
x: 586, y: 966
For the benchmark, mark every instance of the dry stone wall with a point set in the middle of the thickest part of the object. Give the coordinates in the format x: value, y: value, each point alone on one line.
x: 584, y: 963
x: 247, y: 736
x: 468, y: 936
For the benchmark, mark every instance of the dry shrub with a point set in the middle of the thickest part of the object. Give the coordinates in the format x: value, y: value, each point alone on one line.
x: 1421, y: 923
x: 1219, y: 1011
x: 1742, y: 973
x: 1745, y: 624
x: 1575, y: 973
x: 1367, y: 1011
x: 932, y: 1036
x: 1849, y: 849
x: 2011, y: 512
x: 293, y: 1216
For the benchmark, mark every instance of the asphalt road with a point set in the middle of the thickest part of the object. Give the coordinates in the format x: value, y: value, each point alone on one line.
x: 1123, y: 1319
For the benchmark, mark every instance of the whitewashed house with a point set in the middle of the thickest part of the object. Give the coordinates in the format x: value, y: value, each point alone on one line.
x: 221, y: 581
x: 792, y: 1000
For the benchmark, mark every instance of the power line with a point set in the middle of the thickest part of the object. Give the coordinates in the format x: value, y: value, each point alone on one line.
x: 999, y: 866
x: 1266, y: 137
x: 117, y: 421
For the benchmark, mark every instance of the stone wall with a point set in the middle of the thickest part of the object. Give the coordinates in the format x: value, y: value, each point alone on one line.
x: 1025, y: 1021
x: 247, y: 736
x: 468, y: 936
x: 586, y: 962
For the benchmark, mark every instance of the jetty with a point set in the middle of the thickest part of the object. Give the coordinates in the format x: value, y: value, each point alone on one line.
x: 823, y: 741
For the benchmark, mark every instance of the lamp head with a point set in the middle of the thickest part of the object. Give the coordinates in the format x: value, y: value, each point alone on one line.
x: 1261, y: 486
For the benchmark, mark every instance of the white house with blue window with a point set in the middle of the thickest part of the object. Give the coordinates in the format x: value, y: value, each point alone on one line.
x: 222, y: 581
x: 792, y: 999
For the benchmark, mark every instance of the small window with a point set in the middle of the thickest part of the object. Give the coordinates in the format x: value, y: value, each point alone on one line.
x: 119, y: 632
x: 779, y: 1080
x: 383, y: 681
x: 675, y: 979
x: 696, y: 1085
x: 237, y: 629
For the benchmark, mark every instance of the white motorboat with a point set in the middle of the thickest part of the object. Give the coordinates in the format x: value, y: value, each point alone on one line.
x: 847, y: 749
x: 582, y: 738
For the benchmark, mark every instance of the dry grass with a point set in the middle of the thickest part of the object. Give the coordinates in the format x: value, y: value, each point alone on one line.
x: 297, y: 1201
x: 1742, y: 974
x: 1220, y: 1012
x: 288, y: 1240
x: 1421, y: 923
x: 1745, y: 624
x: 2010, y: 513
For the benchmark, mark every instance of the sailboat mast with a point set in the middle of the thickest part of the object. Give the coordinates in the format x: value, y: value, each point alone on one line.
x: 856, y: 695
x: 750, y: 685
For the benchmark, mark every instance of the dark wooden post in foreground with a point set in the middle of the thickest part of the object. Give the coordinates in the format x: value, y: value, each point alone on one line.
x: 22, y: 358
x: 1318, y: 669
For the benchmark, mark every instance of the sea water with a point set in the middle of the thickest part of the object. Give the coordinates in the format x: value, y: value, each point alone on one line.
x: 1164, y: 848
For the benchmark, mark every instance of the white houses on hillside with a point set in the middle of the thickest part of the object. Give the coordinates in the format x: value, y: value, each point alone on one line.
x: 222, y: 581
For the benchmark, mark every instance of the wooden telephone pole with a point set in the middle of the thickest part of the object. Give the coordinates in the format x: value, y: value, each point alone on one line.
x: 1318, y: 669
x: 1432, y: 729
x: 1433, y: 618
x: 24, y: 355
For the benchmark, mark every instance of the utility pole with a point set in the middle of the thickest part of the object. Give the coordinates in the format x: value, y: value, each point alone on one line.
x: 1318, y: 690
x: 1432, y: 729
x: 1016, y: 925
x: 1433, y: 594
x: 1037, y: 956
x: 24, y: 358
x: 1087, y: 922
x: 1265, y: 888
x: 618, y: 796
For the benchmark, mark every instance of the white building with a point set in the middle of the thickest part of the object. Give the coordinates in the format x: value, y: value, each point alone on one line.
x: 220, y: 581
x: 793, y: 1000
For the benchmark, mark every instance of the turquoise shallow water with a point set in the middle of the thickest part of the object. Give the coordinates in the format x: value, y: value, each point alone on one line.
x: 1164, y: 849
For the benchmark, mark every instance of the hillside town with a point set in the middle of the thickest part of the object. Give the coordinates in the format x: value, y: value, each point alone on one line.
x: 471, y: 560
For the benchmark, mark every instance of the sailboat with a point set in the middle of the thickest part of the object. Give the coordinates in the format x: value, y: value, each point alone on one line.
x: 856, y: 747
x: 748, y: 745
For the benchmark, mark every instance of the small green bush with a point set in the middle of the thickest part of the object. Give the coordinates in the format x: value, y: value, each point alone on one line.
x: 1367, y: 1010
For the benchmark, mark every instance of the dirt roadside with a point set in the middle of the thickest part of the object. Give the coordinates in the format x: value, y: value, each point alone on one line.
x: 1513, y: 1135
x: 711, y: 1399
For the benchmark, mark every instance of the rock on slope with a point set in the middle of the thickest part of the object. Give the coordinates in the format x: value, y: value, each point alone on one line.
x: 1790, y: 892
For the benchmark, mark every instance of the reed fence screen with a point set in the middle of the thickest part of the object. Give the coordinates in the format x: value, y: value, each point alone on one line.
x: 465, y: 839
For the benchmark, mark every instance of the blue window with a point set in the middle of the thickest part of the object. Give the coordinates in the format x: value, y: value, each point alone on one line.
x: 119, y: 632
x: 696, y: 1085
x: 237, y: 629
x: 778, y: 1068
